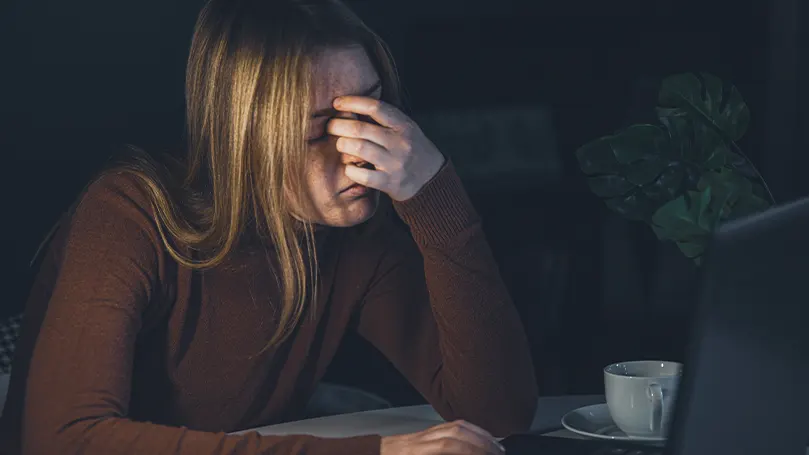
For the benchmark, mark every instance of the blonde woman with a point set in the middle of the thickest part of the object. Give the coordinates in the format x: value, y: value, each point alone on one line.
x: 180, y: 302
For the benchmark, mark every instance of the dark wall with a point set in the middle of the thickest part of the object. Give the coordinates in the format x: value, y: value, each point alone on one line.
x: 83, y: 76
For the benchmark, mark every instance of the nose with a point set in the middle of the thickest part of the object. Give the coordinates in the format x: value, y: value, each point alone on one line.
x: 352, y: 160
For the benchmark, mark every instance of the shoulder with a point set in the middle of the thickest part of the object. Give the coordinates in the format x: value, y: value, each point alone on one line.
x: 131, y: 186
x: 116, y: 187
x: 114, y: 194
x: 115, y: 207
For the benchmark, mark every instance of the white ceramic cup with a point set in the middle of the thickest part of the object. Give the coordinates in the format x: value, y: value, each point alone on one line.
x: 641, y: 395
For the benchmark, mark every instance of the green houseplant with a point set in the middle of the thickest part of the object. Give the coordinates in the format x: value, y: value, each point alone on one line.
x: 685, y: 175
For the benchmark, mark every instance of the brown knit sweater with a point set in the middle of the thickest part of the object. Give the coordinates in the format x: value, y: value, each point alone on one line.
x: 125, y: 352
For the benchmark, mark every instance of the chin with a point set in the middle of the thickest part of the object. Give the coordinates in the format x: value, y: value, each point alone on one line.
x: 354, y: 212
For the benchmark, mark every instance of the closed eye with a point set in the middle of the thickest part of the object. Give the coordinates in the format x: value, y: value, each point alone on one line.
x: 319, y: 139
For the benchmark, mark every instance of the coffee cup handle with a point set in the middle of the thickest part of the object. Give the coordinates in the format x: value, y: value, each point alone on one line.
x: 655, y: 393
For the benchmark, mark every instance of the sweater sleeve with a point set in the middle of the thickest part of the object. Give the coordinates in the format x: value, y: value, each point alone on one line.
x: 439, y: 311
x: 80, y: 375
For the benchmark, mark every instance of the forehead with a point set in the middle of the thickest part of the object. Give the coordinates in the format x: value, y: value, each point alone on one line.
x: 341, y: 71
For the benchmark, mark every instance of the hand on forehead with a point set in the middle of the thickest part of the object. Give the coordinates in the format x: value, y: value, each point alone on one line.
x: 340, y: 72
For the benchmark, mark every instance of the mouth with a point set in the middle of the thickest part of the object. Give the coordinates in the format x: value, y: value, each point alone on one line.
x: 355, y: 189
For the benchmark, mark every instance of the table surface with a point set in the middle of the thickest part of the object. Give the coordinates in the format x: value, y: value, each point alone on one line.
x: 409, y: 419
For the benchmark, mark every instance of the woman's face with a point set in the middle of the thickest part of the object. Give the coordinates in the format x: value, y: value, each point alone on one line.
x: 336, y: 200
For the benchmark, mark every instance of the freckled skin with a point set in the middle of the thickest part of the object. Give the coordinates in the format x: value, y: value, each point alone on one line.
x: 338, y: 72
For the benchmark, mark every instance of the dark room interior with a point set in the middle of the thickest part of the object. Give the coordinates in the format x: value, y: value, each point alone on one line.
x: 509, y: 90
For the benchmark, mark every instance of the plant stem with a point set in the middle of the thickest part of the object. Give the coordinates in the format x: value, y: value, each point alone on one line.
x: 707, y: 118
x: 750, y: 162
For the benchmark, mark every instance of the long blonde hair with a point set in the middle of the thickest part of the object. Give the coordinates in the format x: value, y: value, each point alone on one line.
x: 248, y: 99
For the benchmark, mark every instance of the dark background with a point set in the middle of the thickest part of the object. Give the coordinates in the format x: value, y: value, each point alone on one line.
x: 80, y: 77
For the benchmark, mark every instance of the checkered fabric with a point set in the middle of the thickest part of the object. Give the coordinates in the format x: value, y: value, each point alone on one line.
x: 9, y: 332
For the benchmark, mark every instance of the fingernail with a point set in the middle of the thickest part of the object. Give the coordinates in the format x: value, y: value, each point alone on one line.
x: 338, y: 102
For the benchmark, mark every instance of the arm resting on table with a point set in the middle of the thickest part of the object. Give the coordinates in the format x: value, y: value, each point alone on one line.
x: 80, y: 376
x: 440, y: 312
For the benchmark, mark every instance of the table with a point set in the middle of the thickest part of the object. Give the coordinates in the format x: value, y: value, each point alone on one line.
x: 409, y: 419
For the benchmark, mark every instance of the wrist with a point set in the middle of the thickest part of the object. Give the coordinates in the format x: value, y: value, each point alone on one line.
x: 440, y: 210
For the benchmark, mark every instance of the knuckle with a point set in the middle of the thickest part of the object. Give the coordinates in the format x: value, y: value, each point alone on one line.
x: 446, y: 445
x: 357, y: 128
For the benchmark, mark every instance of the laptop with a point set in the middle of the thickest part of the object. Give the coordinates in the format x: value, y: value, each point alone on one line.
x: 745, y: 383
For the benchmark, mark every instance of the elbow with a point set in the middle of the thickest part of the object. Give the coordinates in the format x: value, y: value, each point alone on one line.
x: 64, y: 439
x: 513, y: 419
x: 509, y: 411
x: 39, y: 441
x: 502, y: 418
x: 524, y: 416
x: 512, y: 413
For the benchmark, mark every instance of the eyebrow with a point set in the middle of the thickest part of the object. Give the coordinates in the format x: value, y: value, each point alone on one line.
x: 330, y: 111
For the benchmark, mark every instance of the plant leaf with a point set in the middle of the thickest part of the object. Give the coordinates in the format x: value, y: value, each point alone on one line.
x: 685, y: 177
x: 639, y: 142
x: 635, y: 205
x: 597, y: 157
x: 646, y: 171
x: 687, y: 221
x: 680, y: 127
x: 706, y: 218
x: 704, y: 97
x: 727, y: 186
x: 630, y: 170
x: 693, y: 249
x: 609, y: 186
x: 736, y: 196
x: 678, y: 219
x: 694, y: 140
x: 743, y: 166
x: 749, y: 204
x: 668, y: 185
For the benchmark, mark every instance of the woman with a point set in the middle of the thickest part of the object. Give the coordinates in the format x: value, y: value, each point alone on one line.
x: 179, y: 303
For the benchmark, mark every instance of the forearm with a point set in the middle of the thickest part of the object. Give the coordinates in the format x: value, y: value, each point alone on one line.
x: 119, y: 436
x: 486, y: 374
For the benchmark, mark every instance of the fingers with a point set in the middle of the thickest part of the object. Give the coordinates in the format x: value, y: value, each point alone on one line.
x: 452, y: 438
x: 451, y: 446
x: 383, y: 113
x: 465, y: 424
x: 359, y: 130
x: 466, y: 432
x: 367, y: 177
x: 366, y: 151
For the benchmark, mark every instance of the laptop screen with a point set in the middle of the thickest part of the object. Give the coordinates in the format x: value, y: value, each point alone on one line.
x: 745, y: 386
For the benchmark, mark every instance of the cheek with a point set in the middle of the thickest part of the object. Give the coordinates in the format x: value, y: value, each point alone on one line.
x: 323, y: 172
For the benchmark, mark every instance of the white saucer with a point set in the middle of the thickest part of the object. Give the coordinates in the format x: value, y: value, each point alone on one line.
x: 595, y: 422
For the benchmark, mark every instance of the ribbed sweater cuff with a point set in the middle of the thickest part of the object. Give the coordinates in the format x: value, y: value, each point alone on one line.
x: 440, y: 211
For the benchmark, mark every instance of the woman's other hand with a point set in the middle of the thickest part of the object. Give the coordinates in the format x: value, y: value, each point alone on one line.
x: 451, y: 438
